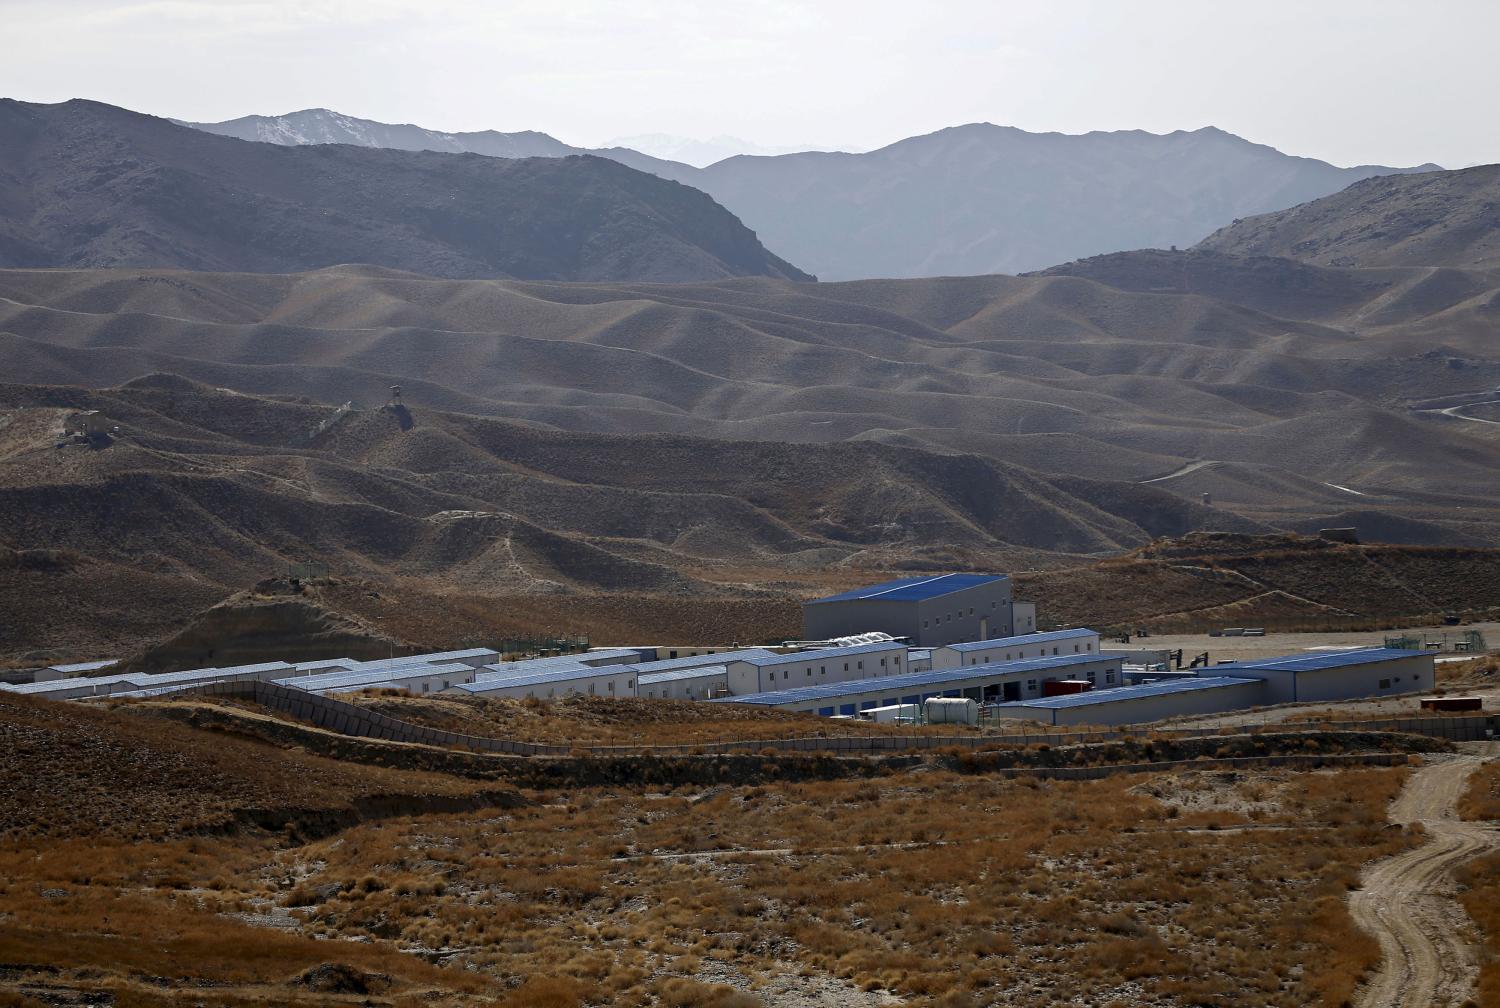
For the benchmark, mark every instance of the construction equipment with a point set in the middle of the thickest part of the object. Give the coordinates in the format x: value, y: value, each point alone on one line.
x: 1200, y: 661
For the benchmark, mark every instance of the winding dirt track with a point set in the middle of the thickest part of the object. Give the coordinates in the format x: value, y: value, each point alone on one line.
x: 1408, y: 903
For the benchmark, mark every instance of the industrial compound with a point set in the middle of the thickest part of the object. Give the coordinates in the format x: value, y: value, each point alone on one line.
x: 895, y: 651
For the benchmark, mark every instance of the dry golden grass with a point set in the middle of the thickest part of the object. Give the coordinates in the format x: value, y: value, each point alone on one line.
x: 1481, y: 801
x: 145, y: 918
x: 944, y: 890
x: 586, y: 720
x: 1480, y: 880
x: 71, y: 770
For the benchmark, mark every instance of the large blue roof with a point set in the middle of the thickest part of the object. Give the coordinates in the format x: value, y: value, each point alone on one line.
x: 910, y: 680
x: 914, y: 589
x: 1119, y: 693
x: 1321, y: 660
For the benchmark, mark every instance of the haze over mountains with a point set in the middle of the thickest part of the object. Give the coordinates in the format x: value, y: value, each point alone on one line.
x: 711, y: 435
x: 964, y: 201
x: 87, y: 184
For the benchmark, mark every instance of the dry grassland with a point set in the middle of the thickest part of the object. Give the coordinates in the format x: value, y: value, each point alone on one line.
x: 585, y: 720
x: 1180, y: 889
x: 1480, y: 880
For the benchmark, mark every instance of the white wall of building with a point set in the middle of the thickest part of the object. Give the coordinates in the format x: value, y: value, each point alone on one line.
x: 1348, y: 682
x: 813, y: 668
x: 1013, y: 649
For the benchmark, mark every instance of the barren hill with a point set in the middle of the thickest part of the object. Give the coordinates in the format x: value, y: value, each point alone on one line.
x: 87, y: 184
x: 205, y: 492
x: 1444, y: 218
x: 1342, y: 403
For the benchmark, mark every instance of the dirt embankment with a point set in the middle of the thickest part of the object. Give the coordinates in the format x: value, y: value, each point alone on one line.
x: 769, y: 765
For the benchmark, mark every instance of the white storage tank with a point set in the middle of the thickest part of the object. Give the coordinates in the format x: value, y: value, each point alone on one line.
x: 951, y: 710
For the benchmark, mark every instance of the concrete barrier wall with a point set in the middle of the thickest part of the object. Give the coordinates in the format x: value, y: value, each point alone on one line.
x: 350, y: 719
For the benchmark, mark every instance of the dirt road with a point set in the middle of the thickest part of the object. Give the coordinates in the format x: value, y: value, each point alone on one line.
x: 1408, y: 901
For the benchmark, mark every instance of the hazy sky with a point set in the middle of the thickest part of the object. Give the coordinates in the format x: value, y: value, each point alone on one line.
x: 1370, y: 81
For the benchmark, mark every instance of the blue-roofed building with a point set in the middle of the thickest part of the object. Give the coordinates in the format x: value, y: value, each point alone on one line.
x: 983, y: 683
x: 1338, y: 675
x: 927, y: 612
x: 1040, y: 645
x: 1141, y: 704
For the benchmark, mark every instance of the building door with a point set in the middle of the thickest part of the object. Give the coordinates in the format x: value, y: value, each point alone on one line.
x: 984, y: 628
x: 1012, y: 691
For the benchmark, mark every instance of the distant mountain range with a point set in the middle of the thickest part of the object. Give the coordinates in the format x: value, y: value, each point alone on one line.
x: 702, y: 153
x: 964, y: 201
x: 88, y: 184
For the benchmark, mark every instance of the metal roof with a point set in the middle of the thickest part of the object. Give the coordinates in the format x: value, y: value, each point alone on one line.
x: 1327, y: 660
x: 1036, y: 638
x: 369, y: 677
x: 87, y: 666
x: 678, y: 675
x: 489, y: 684
x: 327, y: 665
x: 909, y: 680
x: 60, y: 685
x: 813, y: 657
x: 532, y: 666
x: 914, y: 589
x: 600, y: 654
x: 698, y: 661
x: 444, y: 657
x: 1119, y: 694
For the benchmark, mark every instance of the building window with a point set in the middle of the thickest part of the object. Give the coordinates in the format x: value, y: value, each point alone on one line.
x: 882, y: 663
x: 671, y: 654
x: 1109, y: 676
x: 1385, y: 684
x: 611, y: 687
x: 1075, y: 648
x: 846, y: 666
x: 861, y: 665
x: 1054, y: 650
x: 896, y: 660
x: 591, y: 689
x: 630, y: 684
x: 822, y: 670
x: 971, y: 610
x: 924, y: 624
x: 1031, y: 685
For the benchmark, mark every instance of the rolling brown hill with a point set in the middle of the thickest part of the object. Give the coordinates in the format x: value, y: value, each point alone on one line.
x: 1449, y: 218
x: 88, y: 184
x: 206, y: 492
x: 1179, y: 374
